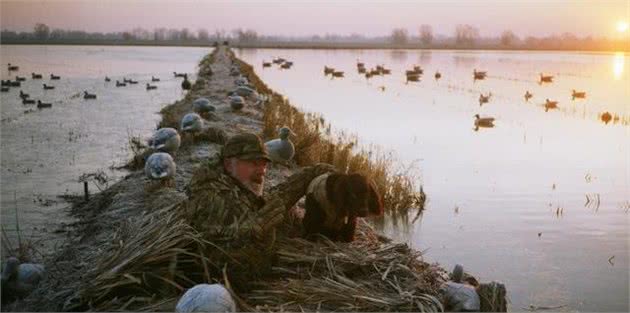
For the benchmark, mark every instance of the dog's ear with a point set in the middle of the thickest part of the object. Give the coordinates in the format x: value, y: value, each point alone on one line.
x: 337, y: 187
x: 375, y: 202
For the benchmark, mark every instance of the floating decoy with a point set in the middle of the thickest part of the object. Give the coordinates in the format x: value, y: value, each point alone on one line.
x: 15, y: 84
x: 24, y: 95
x: 132, y: 82
x: 54, y: 77
x: 545, y: 79
x: 155, y: 79
x: 151, y: 87
x: 47, y: 87
x: 206, y: 298
x: 361, y: 70
x: 360, y: 64
x: 437, y: 75
x: 186, y: 83
x: 20, y: 79
x: 328, y: 70
x: 119, y: 84
x: 36, y: 76
x: 266, y: 64
x: 202, y: 106
x: 606, y: 117
x: 178, y: 74
x: 484, y: 99
x: 478, y: 75
x: 87, y: 95
x: 286, y: 65
x: 236, y: 102
x: 4, y: 89
x: 550, y: 105
x: 125, y: 80
x: 19, y: 280
x: 165, y: 140
x: 487, y: 122
x: 278, y: 60
x: 191, y: 123
x: 337, y: 74
x: 107, y: 79
x: 41, y: 105
x: 6, y: 83
x: 160, y: 166
x: 578, y: 94
x: 28, y: 101
x: 281, y: 150
x: 13, y: 67
x: 413, y: 78
x: 528, y: 95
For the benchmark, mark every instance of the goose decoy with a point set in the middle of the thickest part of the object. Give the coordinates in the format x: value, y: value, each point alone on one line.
x: 206, y: 298
x: 479, y: 75
x: 42, y: 105
x: 266, y: 64
x: 578, y: 94
x: 20, y: 79
x: 28, y: 101
x: 281, y: 150
x: 202, y: 106
x: 165, y: 140
x: 119, y: 84
x: 24, y: 95
x: 487, y: 122
x: 528, y: 95
x: 484, y: 99
x: 151, y: 87
x: 606, y: 117
x: 13, y: 67
x: 550, y: 105
x: 437, y: 75
x: 107, y: 79
x: 36, y: 76
x: 160, y: 166
x: 186, y: 83
x: 545, y: 78
x: 87, y: 95
x: 19, y: 280
x: 236, y: 102
x: 47, y: 87
x: 4, y: 89
x: 54, y: 77
x: 155, y: 79
x: 191, y: 123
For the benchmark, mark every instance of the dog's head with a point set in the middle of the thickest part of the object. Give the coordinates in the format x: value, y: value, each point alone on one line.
x: 354, y: 195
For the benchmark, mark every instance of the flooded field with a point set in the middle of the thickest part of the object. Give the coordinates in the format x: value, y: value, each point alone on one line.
x: 540, y: 201
x: 44, y: 152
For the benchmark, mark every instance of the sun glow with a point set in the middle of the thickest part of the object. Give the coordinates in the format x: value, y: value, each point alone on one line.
x: 622, y: 26
x: 618, y: 65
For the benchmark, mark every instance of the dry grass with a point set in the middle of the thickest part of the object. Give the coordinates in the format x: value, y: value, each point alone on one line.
x: 316, y: 143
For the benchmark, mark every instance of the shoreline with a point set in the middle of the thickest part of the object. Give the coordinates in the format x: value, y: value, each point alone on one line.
x: 101, y: 218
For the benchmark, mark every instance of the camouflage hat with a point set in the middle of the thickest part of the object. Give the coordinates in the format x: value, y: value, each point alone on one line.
x: 246, y: 146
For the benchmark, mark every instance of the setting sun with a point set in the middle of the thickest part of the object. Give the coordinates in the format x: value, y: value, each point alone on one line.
x: 622, y: 26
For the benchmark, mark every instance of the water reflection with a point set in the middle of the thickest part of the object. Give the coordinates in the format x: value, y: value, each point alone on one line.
x: 618, y: 65
x: 399, y: 55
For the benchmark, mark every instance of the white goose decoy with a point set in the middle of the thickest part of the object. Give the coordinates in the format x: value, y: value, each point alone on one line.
x: 165, y: 140
x: 236, y: 102
x: 18, y: 280
x: 206, y: 298
x: 202, y: 106
x: 191, y: 123
x: 159, y: 166
x: 281, y: 150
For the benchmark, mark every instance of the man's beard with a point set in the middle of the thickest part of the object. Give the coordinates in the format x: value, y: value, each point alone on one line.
x: 256, y: 188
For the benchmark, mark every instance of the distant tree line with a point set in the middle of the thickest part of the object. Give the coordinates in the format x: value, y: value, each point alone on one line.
x: 465, y: 36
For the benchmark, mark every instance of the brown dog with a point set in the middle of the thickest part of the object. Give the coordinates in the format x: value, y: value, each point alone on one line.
x: 334, y: 201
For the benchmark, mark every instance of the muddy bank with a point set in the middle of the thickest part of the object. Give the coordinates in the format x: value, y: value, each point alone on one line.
x: 97, y: 231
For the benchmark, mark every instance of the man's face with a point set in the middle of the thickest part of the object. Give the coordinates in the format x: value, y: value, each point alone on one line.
x: 250, y: 173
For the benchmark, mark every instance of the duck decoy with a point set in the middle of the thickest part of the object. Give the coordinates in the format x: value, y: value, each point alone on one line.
x: 606, y: 117
x: 13, y: 67
x: 36, y: 76
x: 20, y: 79
x: 165, y: 140
x: 281, y: 150
x: 487, y: 122
x: 360, y: 64
x: 328, y: 70
x: 132, y: 82
x: 578, y: 94
x: 178, y: 74
x: 286, y: 65
x: 41, y: 105
x: 545, y: 78
x: 191, y: 123
x: 528, y: 95
x: 28, y: 101
x: 6, y: 83
x: 151, y: 87
x: 550, y: 105
x: 413, y: 78
x: 15, y: 84
x: 236, y: 102
x: 155, y: 79
x: 479, y: 75
x: 107, y: 79
x: 160, y: 166
x: 54, y: 77
x: 47, y: 87
x: 266, y: 64
x: 206, y: 298
x: 4, y: 89
x: 437, y: 75
x: 87, y: 95
x: 19, y: 280
x: 337, y: 74
x: 24, y: 95
x: 484, y: 99
x: 186, y: 85
x: 119, y: 84
x: 361, y: 70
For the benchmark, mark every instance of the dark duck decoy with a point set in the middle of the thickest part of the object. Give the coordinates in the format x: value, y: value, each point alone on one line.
x: 119, y: 84
x: 13, y: 67
x: 438, y: 75
x: 528, y: 95
x: 487, y: 122
x: 151, y: 87
x: 479, y: 75
x: 107, y: 79
x: 178, y: 74
x: 28, y: 101
x: 186, y: 83
x: 266, y: 64
x: 54, y: 77
x: 155, y: 79
x: 606, y: 117
x: 20, y: 79
x: 42, y: 105
x: 47, y: 87
x: 36, y: 76
x: 87, y: 95
x: 484, y: 99
x: 4, y: 89
x: 550, y: 105
x: 578, y: 94
x: 24, y: 95
x: 545, y: 78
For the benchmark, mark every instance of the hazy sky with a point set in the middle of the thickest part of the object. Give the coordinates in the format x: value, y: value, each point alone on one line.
x: 533, y: 17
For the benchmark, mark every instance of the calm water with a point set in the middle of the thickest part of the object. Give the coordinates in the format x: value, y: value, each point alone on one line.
x: 45, y: 151
x: 493, y: 191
